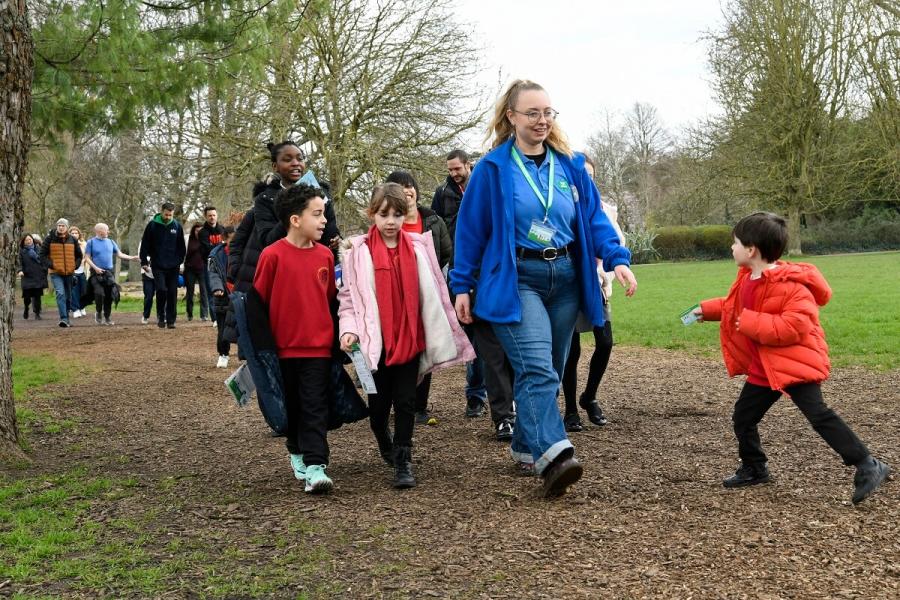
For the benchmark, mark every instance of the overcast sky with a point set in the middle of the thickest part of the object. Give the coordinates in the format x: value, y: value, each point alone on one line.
x: 593, y: 56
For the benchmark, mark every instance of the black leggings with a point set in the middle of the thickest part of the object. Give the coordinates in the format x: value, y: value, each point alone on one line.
x: 396, y: 388
x: 603, y: 343
x: 32, y: 298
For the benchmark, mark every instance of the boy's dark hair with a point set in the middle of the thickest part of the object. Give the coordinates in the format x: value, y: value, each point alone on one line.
x: 293, y: 201
x: 390, y: 193
x: 167, y: 206
x: 766, y: 231
x: 206, y: 209
x: 275, y: 149
x: 228, y: 230
x: 404, y: 178
x: 458, y: 154
x: 588, y: 160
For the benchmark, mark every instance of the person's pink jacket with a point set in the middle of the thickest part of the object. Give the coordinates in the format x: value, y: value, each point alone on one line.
x: 446, y: 344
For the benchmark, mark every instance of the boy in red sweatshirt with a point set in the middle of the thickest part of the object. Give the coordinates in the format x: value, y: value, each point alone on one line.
x: 294, y: 272
x: 770, y: 332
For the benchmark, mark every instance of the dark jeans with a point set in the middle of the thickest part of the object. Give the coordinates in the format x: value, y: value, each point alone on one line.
x: 192, y: 278
x: 603, y: 343
x: 149, y: 292
x: 396, y: 387
x: 166, y: 282
x: 306, y: 401
x: 498, y: 373
x: 755, y: 400
x: 222, y: 345
x: 102, y: 295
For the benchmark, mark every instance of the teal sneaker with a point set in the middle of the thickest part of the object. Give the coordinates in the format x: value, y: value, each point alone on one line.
x: 298, y: 466
x: 317, y: 482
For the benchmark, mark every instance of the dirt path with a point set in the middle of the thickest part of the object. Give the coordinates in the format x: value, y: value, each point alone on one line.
x: 649, y: 519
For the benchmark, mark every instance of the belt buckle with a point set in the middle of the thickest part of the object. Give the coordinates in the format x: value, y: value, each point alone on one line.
x: 550, y: 253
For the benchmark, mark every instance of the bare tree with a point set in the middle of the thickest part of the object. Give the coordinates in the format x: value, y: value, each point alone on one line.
x: 16, y: 66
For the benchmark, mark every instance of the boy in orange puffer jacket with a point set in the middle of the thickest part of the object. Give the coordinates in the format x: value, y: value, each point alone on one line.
x: 770, y: 332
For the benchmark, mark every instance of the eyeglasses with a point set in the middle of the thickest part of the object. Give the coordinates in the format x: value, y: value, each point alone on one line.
x: 534, y: 116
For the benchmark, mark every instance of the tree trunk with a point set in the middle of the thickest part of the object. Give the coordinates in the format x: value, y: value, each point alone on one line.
x: 16, y: 71
x: 793, y: 222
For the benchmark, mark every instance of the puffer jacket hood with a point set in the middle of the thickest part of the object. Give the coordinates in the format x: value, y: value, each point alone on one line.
x: 804, y: 274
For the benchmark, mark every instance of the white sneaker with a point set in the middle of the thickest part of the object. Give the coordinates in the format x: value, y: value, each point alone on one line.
x: 76, y: 314
x: 214, y: 324
x: 144, y: 320
x: 223, y: 362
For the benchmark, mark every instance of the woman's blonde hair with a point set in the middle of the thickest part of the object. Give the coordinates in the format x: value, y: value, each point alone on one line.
x: 501, y: 129
x: 393, y: 194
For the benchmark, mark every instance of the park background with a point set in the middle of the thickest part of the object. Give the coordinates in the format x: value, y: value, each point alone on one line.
x: 156, y: 486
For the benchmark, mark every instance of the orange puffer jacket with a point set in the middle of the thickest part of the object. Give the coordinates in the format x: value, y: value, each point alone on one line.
x: 785, y: 326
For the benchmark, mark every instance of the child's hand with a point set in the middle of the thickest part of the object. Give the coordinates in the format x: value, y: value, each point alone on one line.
x: 627, y: 279
x: 347, y: 341
x: 699, y: 312
x: 218, y: 293
x: 464, y: 308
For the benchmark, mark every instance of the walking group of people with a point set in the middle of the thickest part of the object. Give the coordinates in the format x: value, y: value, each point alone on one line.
x: 514, y: 259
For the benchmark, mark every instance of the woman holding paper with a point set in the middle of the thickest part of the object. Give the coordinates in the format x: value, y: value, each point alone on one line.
x: 527, y: 239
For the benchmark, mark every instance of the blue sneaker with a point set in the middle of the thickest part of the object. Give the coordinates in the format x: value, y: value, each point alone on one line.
x: 317, y: 482
x: 298, y: 466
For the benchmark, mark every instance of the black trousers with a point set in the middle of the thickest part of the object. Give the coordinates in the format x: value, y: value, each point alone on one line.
x: 222, y: 345
x: 32, y: 298
x: 498, y: 373
x: 603, y: 343
x: 149, y: 292
x: 166, y: 282
x: 396, y: 387
x: 306, y: 400
x: 192, y: 279
x: 756, y: 400
x: 102, y: 296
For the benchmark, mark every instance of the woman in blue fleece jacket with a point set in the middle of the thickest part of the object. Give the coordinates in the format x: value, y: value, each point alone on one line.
x: 529, y: 231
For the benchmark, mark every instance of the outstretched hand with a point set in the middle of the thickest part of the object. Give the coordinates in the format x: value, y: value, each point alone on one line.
x: 347, y: 341
x: 627, y: 279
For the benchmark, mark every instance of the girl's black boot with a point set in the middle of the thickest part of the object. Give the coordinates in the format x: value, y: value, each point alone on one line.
x: 403, y: 475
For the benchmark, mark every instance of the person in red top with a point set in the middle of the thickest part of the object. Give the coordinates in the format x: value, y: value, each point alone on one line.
x: 770, y: 332
x: 294, y: 271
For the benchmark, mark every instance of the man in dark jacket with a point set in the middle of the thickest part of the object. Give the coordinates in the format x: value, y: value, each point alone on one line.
x: 209, y: 237
x: 163, y: 245
x: 61, y: 253
x: 448, y: 196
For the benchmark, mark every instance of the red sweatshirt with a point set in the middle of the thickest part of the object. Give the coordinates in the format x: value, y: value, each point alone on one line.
x: 298, y: 285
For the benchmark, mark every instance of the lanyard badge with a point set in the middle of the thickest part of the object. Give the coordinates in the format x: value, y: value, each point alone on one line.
x: 545, y: 202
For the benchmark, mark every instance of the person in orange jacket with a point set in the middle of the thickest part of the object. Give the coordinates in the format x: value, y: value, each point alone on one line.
x: 770, y: 332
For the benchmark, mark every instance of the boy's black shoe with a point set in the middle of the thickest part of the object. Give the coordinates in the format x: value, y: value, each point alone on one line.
x: 559, y: 475
x: 572, y: 423
x: 474, y: 407
x: 422, y: 417
x: 870, y: 474
x: 750, y: 474
x: 593, y: 410
x: 161, y: 324
x: 403, y: 475
x: 170, y: 325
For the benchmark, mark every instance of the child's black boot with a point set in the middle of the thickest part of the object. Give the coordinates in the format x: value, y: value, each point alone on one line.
x: 385, y: 445
x: 748, y: 474
x: 870, y: 473
x: 403, y: 475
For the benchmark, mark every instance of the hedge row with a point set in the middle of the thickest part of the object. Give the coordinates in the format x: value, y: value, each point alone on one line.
x: 702, y: 242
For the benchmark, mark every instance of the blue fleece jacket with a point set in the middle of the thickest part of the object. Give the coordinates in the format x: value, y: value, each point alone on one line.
x: 485, y: 257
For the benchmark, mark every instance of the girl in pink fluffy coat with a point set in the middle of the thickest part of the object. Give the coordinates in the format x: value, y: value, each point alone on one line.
x: 394, y: 304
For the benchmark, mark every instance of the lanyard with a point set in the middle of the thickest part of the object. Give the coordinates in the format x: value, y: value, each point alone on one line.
x: 548, y: 202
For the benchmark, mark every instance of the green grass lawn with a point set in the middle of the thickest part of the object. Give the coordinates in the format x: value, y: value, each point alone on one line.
x: 862, y: 321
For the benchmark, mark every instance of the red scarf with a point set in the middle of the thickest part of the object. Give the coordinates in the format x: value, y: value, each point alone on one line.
x: 397, y: 293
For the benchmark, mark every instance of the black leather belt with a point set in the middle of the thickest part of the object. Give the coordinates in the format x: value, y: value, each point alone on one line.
x: 545, y: 253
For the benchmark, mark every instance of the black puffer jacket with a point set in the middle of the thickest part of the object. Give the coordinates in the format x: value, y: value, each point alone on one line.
x: 34, y: 273
x: 443, y: 244
x: 447, y: 199
x: 260, y: 228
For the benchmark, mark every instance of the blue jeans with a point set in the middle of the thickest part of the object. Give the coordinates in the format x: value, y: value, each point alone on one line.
x: 62, y: 285
x: 537, y: 348
x: 79, y: 283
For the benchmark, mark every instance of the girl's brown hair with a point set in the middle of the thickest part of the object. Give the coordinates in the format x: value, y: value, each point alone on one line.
x: 392, y: 194
x: 501, y: 129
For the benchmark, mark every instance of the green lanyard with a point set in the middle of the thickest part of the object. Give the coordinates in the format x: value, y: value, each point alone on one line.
x: 548, y: 202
